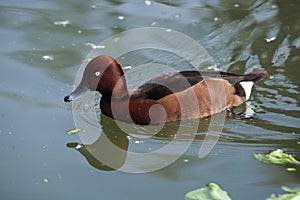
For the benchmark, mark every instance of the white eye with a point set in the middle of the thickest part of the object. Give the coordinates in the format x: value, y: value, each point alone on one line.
x: 97, y: 73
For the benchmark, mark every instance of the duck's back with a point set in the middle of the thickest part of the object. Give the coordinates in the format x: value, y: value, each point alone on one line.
x: 166, y: 84
x: 195, y: 94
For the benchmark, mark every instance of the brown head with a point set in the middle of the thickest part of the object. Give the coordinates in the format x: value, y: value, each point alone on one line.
x: 103, y: 74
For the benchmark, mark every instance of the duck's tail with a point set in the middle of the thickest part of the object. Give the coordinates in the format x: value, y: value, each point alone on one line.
x: 255, y: 75
x: 244, y: 86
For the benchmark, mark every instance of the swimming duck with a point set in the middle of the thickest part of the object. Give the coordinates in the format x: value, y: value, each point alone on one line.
x: 168, y: 98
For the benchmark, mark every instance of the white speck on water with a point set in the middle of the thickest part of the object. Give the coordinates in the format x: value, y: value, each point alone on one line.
x: 127, y: 67
x: 177, y: 15
x: 62, y: 23
x: 48, y: 57
x: 236, y: 5
x: 148, y: 2
x: 213, y: 67
x: 271, y: 77
x: 93, y: 6
x: 153, y: 23
x: 45, y: 180
x: 168, y: 30
x: 95, y: 46
x: 274, y: 6
x: 270, y: 39
x: 121, y: 17
x: 138, y: 142
x: 116, y: 39
x: 216, y: 19
x: 128, y: 137
x: 185, y: 160
x: 79, y: 31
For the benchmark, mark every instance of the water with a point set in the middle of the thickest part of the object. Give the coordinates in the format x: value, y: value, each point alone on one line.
x: 39, y: 61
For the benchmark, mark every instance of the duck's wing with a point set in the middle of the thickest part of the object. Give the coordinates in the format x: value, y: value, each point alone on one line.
x: 236, y: 78
x: 166, y: 84
x: 163, y: 85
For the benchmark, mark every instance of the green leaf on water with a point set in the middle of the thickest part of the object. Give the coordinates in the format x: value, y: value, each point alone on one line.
x: 294, y: 194
x: 277, y: 157
x: 225, y: 59
x: 211, y: 192
x: 75, y: 130
x: 291, y: 169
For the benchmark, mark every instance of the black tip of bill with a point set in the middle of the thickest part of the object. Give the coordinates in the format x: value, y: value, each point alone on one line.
x: 67, y: 99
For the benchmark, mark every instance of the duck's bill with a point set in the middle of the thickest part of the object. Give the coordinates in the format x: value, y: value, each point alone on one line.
x: 77, y: 93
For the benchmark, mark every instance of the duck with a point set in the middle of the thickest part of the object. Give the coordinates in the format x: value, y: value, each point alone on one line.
x: 171, y: 97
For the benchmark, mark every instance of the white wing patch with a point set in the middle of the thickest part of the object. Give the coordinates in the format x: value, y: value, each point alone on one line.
x: 247, y: 86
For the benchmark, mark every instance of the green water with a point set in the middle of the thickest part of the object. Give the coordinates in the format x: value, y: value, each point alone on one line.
x: 39, y: 62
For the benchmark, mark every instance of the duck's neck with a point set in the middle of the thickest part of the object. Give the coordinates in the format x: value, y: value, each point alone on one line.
x: 119, y: 89
x: 112, y: 87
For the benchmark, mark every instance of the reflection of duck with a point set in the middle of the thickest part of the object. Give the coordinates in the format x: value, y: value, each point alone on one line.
x: 109, y: 151
x: 170, y: 97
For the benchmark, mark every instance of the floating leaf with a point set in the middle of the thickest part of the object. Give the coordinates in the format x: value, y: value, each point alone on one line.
x: 211, y: 192
x: 225, y: 59
x: 95, y: 46
x: 48, y: 57
x: 277, y: 157
x: 294, y: 194
x: 270, y: 39
x: 75, y: 130
x: 291, y: 169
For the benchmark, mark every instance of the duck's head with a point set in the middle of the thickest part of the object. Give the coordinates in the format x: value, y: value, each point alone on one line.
x: 103, y: 74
